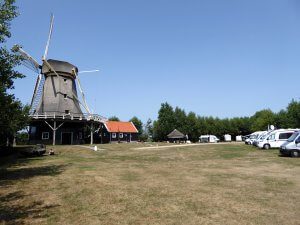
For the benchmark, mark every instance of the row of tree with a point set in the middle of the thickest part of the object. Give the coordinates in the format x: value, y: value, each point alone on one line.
x: 194, y: 125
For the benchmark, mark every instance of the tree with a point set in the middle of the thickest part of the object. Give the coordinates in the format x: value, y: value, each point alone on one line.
x: 180, y: 120
x: 192, y: 127
x: 261, y: 119
x: 149, y: 127
x: 13, y: 115
x: 137, y: 123
x: 113, y: 118
x: 293, y: 115
x: 165, y: 122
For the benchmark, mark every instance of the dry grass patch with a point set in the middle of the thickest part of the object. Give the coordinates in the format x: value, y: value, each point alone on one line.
x: 213, y: 184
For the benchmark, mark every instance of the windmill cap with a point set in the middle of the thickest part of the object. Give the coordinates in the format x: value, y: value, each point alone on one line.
x: 61, y: 67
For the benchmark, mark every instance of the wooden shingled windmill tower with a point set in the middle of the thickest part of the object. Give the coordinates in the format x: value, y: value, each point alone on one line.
x: 55, y: 112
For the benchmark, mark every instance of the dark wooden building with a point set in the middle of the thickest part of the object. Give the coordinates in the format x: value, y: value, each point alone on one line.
x: 116, y: 131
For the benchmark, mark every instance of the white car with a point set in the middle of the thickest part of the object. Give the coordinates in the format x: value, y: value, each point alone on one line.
x: 208, y: 138
x: 292, y: 146
x: 275, y: 139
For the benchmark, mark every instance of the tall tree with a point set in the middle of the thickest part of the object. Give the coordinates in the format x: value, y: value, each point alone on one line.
x: 180, y: 120
x: 13, y: 116
x: 137, y: 123
x: 293, y: 114
x: 149, y: 127
x: 165, y: 122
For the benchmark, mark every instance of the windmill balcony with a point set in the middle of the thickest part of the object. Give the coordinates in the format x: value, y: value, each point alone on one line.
x: 68, y: 116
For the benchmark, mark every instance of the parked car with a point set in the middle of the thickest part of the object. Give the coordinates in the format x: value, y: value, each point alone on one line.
x: 208, y: 139
x: 275, y: 139
x: 252, y: 137
x: 260, y: 137
x: 292, y: 146
x: 37, y: 150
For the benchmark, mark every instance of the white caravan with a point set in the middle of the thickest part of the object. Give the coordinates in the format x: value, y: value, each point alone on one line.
x: 238, y: 138
x: 275, y: 139
x: 227, y: 137
x: 208, y: 139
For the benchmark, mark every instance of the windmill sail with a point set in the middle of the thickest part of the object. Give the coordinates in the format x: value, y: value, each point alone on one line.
x: 37, y: 95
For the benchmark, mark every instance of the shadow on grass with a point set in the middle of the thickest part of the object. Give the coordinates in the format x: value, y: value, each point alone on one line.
x: 15, y: 206
x: 12, y: 212
x: 8, y: 175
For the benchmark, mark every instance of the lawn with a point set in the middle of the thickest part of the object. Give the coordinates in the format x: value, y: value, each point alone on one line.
x: 208, y: 184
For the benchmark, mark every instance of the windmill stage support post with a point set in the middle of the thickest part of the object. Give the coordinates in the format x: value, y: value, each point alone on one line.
x: 54, y: 132
x: 92, y: 133
x: 54, y: 129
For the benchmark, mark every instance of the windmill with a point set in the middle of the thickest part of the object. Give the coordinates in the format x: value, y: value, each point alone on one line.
x: 55, y: 97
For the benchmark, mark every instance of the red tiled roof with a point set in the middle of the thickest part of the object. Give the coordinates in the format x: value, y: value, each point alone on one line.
x: 123, y: 127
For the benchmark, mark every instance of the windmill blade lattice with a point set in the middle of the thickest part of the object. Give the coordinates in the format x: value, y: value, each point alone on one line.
x: 38, y: 94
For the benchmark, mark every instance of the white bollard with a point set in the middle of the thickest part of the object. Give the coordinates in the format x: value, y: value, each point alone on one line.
x: 95, y: 148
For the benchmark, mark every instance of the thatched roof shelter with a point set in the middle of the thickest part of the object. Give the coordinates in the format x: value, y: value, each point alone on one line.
x: 175, y: 134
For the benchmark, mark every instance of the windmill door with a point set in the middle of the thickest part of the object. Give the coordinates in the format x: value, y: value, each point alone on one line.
x: 66, y: 138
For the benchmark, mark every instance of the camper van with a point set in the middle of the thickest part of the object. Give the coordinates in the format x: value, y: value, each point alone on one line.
x: 208, y: 139
x: 275, y: 139
x: 292, y: 146
x: 260, y: 137
x: 252, y: 137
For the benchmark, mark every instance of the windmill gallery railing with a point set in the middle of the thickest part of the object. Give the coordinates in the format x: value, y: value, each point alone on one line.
x: 69, y: 116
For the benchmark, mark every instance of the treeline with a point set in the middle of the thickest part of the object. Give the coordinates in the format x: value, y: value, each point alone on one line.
x: 194, y: 125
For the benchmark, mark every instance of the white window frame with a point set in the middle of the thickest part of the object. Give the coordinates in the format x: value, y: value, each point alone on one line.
x: 45, y: 138
x: 113, y: 135
x: 120, y: 135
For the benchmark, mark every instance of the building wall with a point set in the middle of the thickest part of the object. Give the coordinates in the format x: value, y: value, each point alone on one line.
x: 106, y: 137
x: 72, y: 131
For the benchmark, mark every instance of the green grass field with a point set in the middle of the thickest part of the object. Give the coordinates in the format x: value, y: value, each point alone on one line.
x: 209, y: 184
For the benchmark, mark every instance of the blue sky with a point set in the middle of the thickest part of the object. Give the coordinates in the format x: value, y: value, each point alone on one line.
x: 215, y: 57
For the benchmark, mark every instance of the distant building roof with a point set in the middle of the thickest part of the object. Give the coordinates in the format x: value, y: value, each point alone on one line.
x: 122, y: 127
x: 176, y: 134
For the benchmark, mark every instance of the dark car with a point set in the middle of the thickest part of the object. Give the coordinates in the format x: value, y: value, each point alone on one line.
x: 289, y: 152
x: 37, y: 150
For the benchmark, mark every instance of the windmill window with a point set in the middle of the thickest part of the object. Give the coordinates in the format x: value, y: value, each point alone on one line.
x: 65, y: 96
x: 120, y: 135
x: 65, y: 80
x: 67, y: 111
x: 32, y: 130
x: 114, y: 135
x: 45, y: 135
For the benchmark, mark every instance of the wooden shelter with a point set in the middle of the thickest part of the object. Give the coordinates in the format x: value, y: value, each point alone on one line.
x: 176, y: 136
